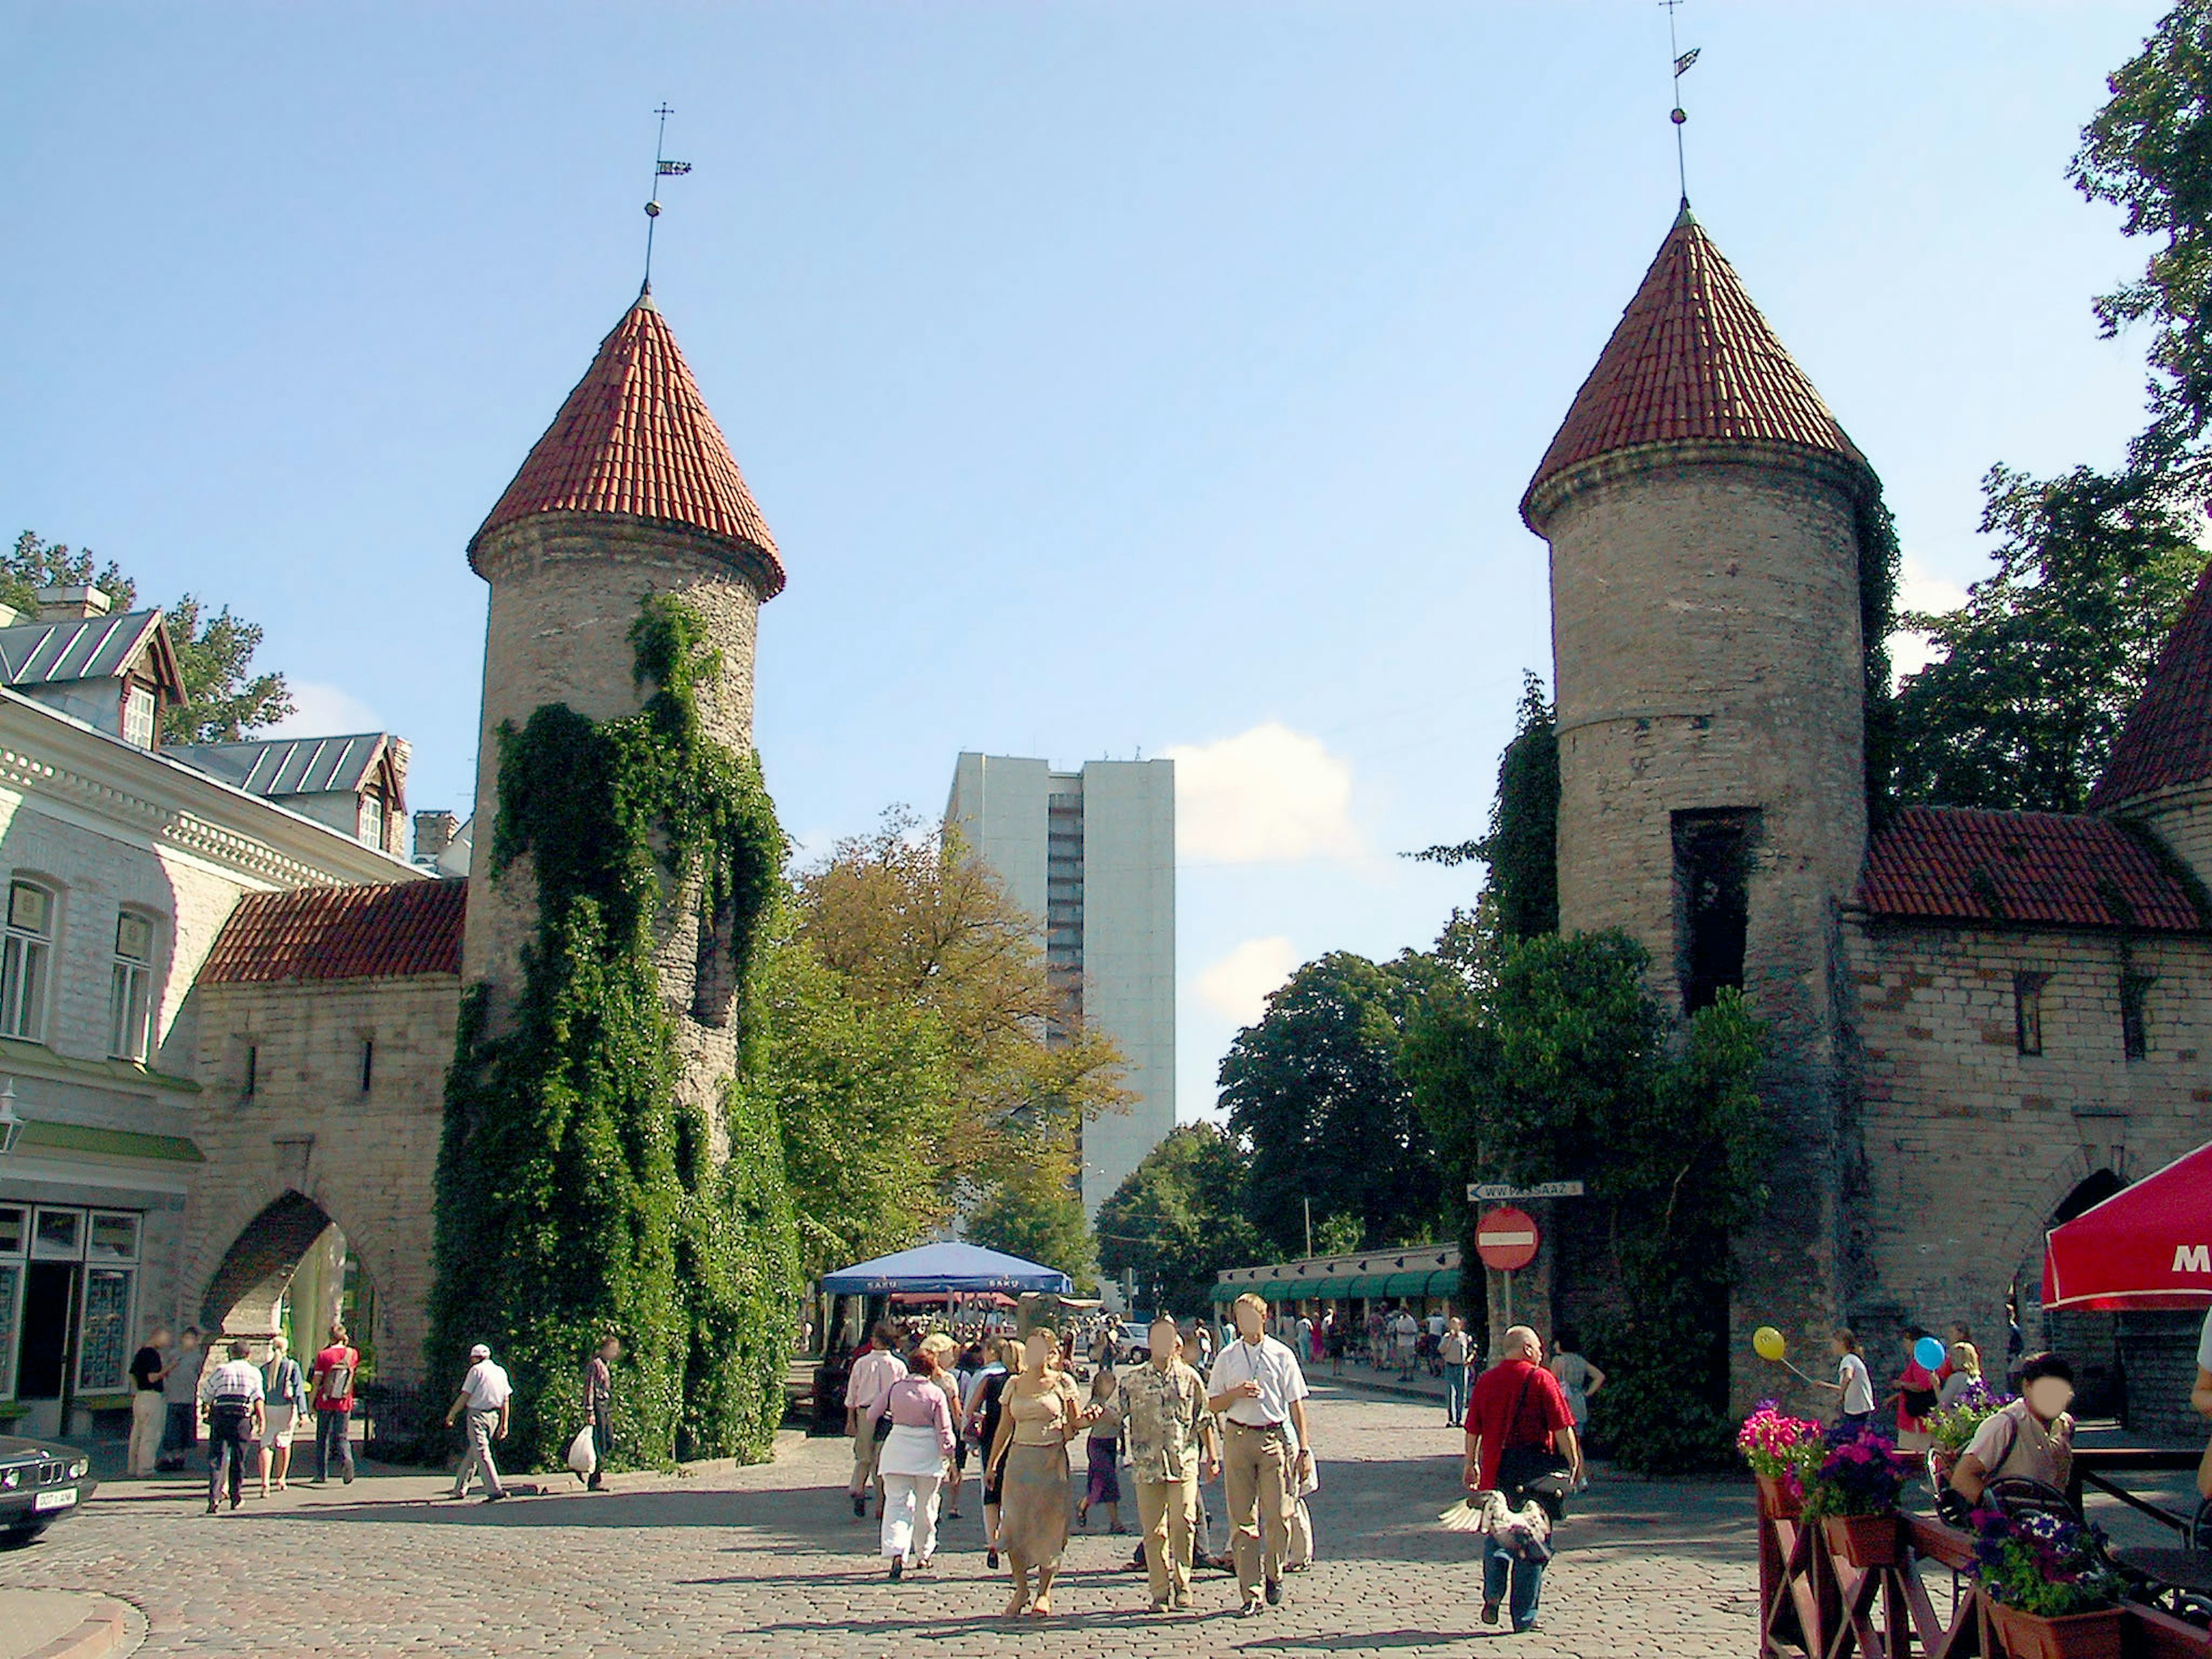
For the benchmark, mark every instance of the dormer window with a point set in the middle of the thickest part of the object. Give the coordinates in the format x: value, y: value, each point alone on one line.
x: 138, y: 716
x: 371, y: 820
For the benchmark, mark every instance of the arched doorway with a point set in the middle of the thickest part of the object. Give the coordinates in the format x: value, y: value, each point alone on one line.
x: 289, y: 1271
x: 2090, y: 1340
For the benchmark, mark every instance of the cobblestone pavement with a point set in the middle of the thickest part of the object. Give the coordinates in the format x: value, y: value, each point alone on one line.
x: 769, y: 1561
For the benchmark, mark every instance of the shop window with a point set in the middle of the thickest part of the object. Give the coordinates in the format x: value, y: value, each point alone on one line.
x: 2028, y: 1012
x: 113, y: 1238
x: 11, y: 1319
x: 15, y: 1224
x: 58, y: 1234
x: 130, y: 988
x: 103, y: 1335
x: 23, y: 959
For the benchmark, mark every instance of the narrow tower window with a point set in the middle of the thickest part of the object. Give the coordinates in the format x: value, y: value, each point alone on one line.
x: 367, y: 1062
x: 2135, y: 1015
x: 1712, y: 901
x: 2028, y: 1012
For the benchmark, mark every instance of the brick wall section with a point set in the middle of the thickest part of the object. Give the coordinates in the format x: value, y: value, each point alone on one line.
x: 1965, y: 1145
x: 368, y: 1159
x: 566, y: 589
x: 1706, y: 642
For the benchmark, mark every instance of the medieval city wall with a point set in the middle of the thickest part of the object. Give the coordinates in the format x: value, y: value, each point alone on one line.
x: 365, y: 1158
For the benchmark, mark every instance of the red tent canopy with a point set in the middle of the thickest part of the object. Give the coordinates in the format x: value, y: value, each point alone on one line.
x: 2147, y: 1246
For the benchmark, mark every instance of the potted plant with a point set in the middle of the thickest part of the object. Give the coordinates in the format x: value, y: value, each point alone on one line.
x: 1783, y: 1452
x: 2049, y: 1587
x: 1854, y: 1493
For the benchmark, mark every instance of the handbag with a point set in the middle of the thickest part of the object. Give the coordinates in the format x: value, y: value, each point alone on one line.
x: 1539, y: 1472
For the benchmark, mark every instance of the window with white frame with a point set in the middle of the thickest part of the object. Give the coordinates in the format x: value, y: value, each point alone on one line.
x: 138, y: 717
x: 23, y: 960
x: 371, y: 820
x: 131, y: 986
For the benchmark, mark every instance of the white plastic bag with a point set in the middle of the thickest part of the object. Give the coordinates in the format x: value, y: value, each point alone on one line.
x: 583, y: 1457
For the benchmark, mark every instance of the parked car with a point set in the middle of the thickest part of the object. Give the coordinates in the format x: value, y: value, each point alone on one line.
x: 39, y: 1483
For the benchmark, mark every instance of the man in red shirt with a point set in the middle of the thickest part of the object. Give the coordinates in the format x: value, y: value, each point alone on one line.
x: 1516, y: 1402
x: 331, y: 1386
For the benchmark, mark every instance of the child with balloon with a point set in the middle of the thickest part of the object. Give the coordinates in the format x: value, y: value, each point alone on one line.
x: 1914, y: 1388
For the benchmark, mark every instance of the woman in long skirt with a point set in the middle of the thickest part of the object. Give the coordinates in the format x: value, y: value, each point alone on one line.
x: 1040, y: 1415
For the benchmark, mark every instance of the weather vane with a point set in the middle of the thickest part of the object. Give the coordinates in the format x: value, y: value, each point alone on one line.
x: 662, y: 168
x: 1682, y: 62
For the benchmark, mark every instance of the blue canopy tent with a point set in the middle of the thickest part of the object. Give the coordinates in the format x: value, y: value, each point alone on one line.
x: 950, y: 1267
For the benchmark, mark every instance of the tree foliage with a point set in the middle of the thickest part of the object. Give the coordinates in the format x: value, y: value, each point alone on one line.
x: 1314, y: 1090
x: 1522, y: 846
x: 224, y: 699
x: 2042, y: 664
x: 1556, y: 1060
x: 1040, y: 1218
x: 1177, y: 1220
x: 577, y: 1195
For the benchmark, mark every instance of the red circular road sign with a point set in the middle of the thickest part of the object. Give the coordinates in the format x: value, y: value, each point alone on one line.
x: 1507, y: 1239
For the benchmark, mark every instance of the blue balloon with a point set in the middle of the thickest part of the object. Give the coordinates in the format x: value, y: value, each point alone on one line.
x: 1928, y: 1351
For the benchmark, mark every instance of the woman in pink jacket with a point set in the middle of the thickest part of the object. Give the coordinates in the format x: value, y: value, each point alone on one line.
x: 912, y: 1460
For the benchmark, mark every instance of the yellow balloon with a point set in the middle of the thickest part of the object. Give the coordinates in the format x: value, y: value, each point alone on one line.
x: 1768, y: 1343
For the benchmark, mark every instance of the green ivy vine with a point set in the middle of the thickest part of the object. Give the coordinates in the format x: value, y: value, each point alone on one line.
x: 577, y: 1197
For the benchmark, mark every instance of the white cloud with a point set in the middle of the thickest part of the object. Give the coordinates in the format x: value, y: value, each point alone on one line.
x: 1237, y: 987
x: 324, y: 711
x: 1919, y: 588
x: 1266, y: 795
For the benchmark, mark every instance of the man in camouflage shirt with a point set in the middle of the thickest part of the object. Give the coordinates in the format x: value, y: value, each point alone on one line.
x: 1169, y: 1434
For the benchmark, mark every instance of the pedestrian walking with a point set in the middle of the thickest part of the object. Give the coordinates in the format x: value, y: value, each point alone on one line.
x: 1041, y: 1415
x: 1578, y: 1378
x: 913, y: 1420
x: 1170, y: 1439
x: 946, y: 1352
x: 1457, y: 1353
x: 1202, y: 1336
x: 1103, y: 1452
x: 284, y: 1394
x: 148, y: 1420
x: 180, y: 1398
x: 1339, y: 1336
x: 873, y: 1372
x: 599, y: 1407
x: 1853, y: 1386
x: 331, y: 1384
x: 1257, y: 1387
x: 487, y: 1397
x: 1518, y: 1422
x: 1914, y: 1388
x: 1405, y: 1333
x: 231, y: 1393
x: 985, y: 1405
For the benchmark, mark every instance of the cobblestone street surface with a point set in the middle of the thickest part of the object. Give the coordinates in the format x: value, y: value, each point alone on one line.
x: 769, y: 1561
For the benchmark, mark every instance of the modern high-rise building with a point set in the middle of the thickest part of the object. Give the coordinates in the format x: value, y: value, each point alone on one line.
x: 1091, y: 853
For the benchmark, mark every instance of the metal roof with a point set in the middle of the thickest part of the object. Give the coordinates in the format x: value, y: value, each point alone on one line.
x: 87, y: 648
x: 288, y: 766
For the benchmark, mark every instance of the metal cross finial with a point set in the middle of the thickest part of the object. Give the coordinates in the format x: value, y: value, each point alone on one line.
x: 1682, y: 62
x: 662, y: 168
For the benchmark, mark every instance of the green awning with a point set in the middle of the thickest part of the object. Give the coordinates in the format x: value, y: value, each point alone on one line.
x: 1225, y: 1294
x: 1445, y: 1282
x: 112, y: 1143
x: 1412, y: 1283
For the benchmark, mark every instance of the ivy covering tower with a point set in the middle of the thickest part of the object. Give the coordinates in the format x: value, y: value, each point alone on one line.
x: 601, y: 1173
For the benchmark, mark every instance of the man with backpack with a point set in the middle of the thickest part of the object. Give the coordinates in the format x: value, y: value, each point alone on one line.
x: 332, y: 1384
x: 232, y: 1395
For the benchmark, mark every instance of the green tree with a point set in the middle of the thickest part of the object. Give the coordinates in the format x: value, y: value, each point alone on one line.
x: 1039, y: 1218
x: 1555, y: 1059
x: 224, y: 699
x: 1176, y: 1223
x: 1313, y: 1089
x: 1522, y: 846
x: 2041, y: 665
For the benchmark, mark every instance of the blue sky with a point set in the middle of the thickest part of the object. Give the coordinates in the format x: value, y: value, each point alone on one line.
x: 1116, y: 378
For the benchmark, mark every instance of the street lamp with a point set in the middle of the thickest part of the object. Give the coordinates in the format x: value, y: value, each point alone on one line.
x: 10, y: 1125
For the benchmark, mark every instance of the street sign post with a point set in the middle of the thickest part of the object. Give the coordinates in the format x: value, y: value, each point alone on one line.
x: 1506, y: 1239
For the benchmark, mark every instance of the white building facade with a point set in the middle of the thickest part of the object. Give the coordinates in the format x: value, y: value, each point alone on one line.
x: 1090, y: 854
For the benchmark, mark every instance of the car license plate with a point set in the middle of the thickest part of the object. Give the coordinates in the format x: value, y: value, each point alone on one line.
x: 60, y: 1498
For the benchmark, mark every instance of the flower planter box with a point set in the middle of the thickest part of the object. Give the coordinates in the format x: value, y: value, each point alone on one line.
x: 2074, y: 1636
x: 1778, y: 1500
x: 1864, y: 1541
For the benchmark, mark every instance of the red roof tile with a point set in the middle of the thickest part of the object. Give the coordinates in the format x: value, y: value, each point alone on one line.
x: 634, y: 438
x: 341, y: 932
x: 1959, y: 864
x: 2168, y: 741
x: 1692, y: 360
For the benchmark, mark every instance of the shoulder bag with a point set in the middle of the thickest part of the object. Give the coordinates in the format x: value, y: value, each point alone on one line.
x: 1540, y: 1471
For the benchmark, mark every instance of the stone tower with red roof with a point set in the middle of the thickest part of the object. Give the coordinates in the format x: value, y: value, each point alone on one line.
x: 1702, y: 508
x: 631, y: 492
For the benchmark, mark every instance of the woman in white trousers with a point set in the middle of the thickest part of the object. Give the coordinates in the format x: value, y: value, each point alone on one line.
x: 912, y: 1461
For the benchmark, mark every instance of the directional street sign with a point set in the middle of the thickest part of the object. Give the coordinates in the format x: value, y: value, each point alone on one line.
x: 1505, y: 1194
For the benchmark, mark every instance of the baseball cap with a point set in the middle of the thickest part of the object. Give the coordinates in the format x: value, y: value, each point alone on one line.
x: 480, y: 1351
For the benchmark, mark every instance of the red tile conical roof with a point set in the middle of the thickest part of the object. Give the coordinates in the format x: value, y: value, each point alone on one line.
x: 2168, y: 741
x: 635, y: 439
x: 1691, y: 361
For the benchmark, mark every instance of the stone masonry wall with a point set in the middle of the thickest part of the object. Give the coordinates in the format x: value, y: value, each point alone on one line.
x: 1705, y: 632
x: 565, y: 590
x: 1964, y: 1146
x: 365, y: 1158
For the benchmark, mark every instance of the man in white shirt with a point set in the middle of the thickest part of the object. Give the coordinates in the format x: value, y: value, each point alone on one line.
x: 485, y: 1396
x: 1406, y: 1336
x: 1260, y: 1394
x: 870, y: 1379
x: 232, y: 1396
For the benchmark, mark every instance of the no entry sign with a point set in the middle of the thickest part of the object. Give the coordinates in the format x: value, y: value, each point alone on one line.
x: 1506, y: 1239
